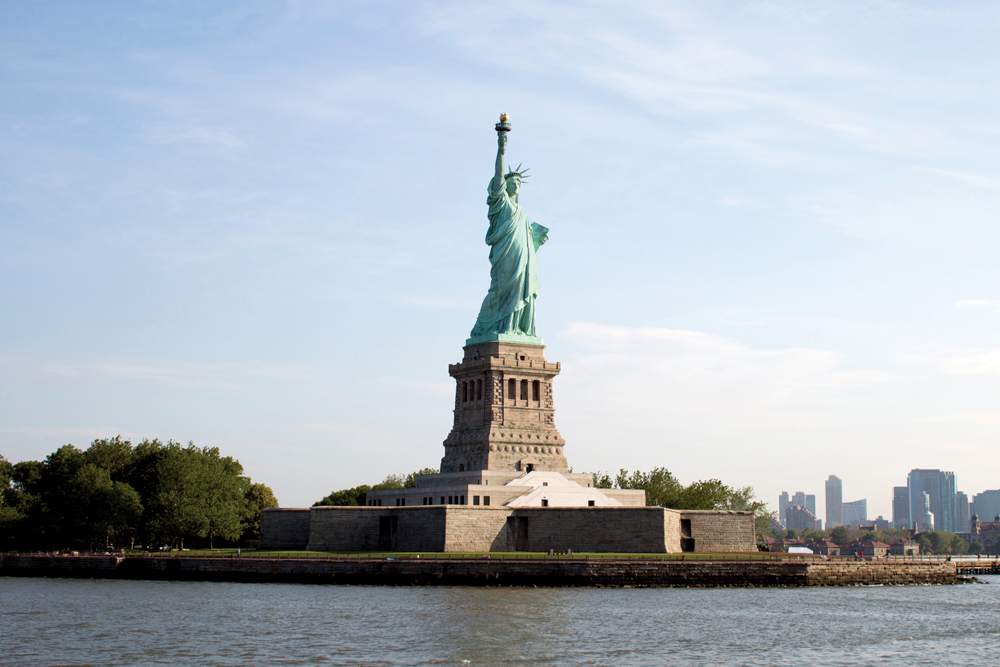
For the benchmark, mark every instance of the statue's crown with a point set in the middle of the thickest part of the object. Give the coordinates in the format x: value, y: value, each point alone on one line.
x: 520, y: 173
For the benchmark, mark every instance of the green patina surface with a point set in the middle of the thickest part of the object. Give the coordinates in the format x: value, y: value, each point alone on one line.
x: 504, y: 338
x: 509, y: 306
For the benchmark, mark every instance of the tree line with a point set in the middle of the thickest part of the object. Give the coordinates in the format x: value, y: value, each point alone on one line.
x: 114, y: 495
x: 664, y: 490
x: 356, y: 496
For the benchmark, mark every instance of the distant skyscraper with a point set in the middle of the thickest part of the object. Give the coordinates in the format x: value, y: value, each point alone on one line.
x: 783, y: 503
x: 962, y: 514
x: 986, y: 505
x: 811, y: 504
x: 949, y: 489
x: 799, y: 498
x: 901, y: 507
x: 940, y: 489
x: 855, y: 512
x: 834, y: 502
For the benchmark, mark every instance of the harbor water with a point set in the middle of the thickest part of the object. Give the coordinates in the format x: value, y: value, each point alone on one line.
x: 108, y: 622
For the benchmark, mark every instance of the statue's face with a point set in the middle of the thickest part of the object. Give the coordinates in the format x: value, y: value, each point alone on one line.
x: 513, y: 185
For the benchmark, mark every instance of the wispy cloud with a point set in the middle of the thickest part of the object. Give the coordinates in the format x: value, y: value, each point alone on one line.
x: 229, y: 376
x: 706, y: 373
x: 969, y: 178
x: 681, y: 60
x: 979, y: 304
x: 204, y: 135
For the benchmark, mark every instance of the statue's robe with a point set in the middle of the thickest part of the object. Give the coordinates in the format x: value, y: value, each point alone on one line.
x: 509, y: 306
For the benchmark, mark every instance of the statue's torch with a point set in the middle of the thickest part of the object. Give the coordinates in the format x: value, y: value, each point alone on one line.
x: 504, y: 124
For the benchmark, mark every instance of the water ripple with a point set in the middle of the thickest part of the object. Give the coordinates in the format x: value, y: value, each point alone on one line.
x: 72, y: 622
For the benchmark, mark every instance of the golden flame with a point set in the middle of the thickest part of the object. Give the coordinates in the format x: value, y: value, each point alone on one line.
x: 504, y: 117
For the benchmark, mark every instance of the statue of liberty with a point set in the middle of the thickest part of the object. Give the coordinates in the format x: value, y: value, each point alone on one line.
x: 509, y: 307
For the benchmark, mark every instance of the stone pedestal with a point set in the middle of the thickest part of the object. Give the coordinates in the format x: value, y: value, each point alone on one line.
x: 504, y: 412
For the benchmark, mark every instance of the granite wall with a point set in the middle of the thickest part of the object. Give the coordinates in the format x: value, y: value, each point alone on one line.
x: 377, y: 529
x: 721, y: 531
x: 439, y: 528
x: 284, y: 529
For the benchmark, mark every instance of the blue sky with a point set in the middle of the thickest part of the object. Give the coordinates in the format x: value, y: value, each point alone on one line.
x: 259, y: 226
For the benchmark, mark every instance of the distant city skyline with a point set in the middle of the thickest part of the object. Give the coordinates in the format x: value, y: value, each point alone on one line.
x: 929, y: 492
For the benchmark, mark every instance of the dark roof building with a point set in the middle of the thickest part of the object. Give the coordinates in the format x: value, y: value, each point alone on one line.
x: 866, y: 548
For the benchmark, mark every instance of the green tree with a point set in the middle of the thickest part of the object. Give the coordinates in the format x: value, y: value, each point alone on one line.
x: 191, y: 493
x: 6, y: 481
x: 106, y: 511
x: 174, y: 493
x: 114, y: 491
x: 259, y: 498
x: 112, y: 454
x: 841, y: 534
x: 58, y: 513
x: 345, y: 497
x: 10, y: 514
x: 24, y: 530
x: 976, y: 548
x: 225, y: 502
x: 357, y: 495
x: 709, y: 494
x: 661, y: 487
x: 411, y: 479
x: 812, y: 534
x: 941, y: 543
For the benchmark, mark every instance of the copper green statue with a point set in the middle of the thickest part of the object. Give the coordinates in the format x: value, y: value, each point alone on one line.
x: 508, y: 311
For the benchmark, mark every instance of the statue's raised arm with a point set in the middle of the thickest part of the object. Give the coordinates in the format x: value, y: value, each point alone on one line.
x: 498, y: 179
x: 508, y: 311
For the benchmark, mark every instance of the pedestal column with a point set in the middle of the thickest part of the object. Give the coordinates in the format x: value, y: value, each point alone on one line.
x: 504, y: 411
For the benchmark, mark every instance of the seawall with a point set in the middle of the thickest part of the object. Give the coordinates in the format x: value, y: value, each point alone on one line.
x: 488, y: 572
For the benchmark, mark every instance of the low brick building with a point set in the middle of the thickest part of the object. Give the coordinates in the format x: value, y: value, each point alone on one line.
x: 866, y: 549
x: 905, y: 547
x: 824, y: 547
